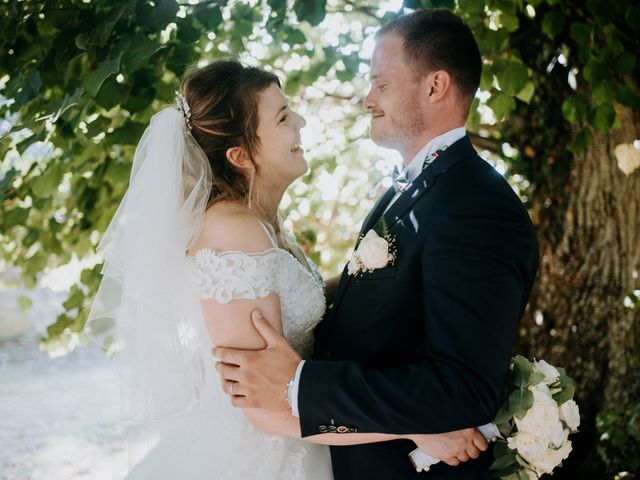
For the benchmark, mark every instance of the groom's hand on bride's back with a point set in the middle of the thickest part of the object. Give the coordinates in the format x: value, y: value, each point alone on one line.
x: 452, y: 447
x: 258, y: 378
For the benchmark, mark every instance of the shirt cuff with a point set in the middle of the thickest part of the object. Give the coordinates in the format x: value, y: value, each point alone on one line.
x: 292, y: 394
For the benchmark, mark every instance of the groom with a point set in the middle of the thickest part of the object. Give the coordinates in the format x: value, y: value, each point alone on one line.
x: 422, y: 344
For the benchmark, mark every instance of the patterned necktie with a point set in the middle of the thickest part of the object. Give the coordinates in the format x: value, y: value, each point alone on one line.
x: 400, y: 179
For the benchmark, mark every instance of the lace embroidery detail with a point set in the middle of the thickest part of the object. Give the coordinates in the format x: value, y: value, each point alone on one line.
x: 227, y: 276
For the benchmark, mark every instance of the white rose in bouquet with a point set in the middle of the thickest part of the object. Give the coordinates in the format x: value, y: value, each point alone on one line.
x: 551, y: 373
x: 570, y: 414
x: 546, y: 461
x: 373, y: 251
x: 528, y: 445
x: 532, y: 475
x: 543, y: 417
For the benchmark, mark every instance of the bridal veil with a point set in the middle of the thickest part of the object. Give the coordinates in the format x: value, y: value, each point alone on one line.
x: 146, y: 309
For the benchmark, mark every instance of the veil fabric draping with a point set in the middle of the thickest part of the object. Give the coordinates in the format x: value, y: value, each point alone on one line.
x: 147, y: 308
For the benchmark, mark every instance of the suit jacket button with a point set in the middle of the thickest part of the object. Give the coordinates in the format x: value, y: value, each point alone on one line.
x: 342, y: 429
x: 332, y: 429
x: 353, y: 430
x: 322, y: 428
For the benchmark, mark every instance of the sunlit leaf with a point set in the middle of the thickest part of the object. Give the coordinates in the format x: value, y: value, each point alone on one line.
x: 603, y: 117
x: 313, y: 11
x: 501, y: 104
x: 96, y: 78
x: 575, y: 108
x: 138, y: 49
x: 29, y: 88
x: 512, y: 75
x: 553, y: 23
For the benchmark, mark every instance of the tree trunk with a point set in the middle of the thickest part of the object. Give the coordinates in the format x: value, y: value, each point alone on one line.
x: 577, y: 318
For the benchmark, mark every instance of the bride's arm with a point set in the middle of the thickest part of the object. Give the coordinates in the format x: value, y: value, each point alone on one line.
x: 229, y: 324
x: 283, y: 423
x: 447, y: 447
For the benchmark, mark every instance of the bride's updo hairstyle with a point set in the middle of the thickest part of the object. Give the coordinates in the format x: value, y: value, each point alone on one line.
x: 223, y: 99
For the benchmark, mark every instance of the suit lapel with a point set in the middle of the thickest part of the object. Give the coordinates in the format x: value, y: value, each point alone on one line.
x: 376, y: 211
x: 423, y: 182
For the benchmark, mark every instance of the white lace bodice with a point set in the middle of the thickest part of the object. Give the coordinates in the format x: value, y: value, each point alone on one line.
x: 231, y: 275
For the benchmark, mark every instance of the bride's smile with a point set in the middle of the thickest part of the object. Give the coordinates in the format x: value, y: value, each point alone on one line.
x: 280, y: 155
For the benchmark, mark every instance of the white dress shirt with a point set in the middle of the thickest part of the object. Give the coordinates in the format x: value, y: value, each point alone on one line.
x: 413, y: 169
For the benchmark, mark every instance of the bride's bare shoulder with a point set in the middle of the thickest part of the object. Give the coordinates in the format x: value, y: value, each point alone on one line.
x: 229, y: 226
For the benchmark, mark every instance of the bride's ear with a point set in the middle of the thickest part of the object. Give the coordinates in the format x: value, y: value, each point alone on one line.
x: 239, y: 158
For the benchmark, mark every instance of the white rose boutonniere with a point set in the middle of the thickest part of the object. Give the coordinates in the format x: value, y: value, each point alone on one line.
x: 373, y: 253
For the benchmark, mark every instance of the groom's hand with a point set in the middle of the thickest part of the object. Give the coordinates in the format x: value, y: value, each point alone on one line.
x: 453, y: 447
x: 258, y: 378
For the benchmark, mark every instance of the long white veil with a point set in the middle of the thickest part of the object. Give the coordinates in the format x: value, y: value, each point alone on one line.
x: 147, y: 309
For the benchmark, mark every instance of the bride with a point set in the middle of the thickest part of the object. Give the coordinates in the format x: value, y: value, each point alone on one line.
x: 195, y: 243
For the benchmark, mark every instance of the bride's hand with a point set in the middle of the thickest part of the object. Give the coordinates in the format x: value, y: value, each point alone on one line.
x: 452, y: 447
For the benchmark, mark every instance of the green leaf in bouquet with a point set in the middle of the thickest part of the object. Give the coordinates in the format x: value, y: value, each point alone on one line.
x: 505, y: 429
x: 503, y: 461
x: 522, y: 475
x: 522, y: 462
x: 500, y: 448
x: 503, y: 415
x: 520, y: 401
x: 565, y: 394
x: 536, y: 378
x: 517, y: 475
x: 567, y: 387
x: 522, y: 369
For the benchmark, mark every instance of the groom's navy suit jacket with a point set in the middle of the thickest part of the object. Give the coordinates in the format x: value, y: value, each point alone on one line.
x: 424, y: 346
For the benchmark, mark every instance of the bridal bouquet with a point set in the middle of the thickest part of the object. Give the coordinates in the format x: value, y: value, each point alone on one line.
x: 533, y: 424
x: 535, y: 421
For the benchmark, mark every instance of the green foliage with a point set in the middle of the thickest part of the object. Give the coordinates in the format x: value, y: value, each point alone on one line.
x: 85, y: 78
x: 619, y: 430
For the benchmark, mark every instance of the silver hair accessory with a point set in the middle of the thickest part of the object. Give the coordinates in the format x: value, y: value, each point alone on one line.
x: 183, y: 107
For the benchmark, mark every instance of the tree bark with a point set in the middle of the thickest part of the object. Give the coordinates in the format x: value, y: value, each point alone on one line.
x: 576, y: 317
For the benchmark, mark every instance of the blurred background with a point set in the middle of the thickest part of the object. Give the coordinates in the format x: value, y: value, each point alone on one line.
x: 556, y: 114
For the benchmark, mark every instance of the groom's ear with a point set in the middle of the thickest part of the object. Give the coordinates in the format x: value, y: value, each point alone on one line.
x: 239, y: 158
x: 438, y: 83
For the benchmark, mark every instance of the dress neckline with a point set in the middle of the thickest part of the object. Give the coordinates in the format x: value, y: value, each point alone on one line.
x: 308, y: 271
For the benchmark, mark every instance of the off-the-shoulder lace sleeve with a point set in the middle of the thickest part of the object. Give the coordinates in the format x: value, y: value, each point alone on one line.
x: 226, y: 276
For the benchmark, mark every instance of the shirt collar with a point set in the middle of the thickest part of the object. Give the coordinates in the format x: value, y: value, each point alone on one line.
x: 414, y: 167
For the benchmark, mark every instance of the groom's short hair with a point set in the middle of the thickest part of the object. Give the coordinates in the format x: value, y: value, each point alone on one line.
x: 437, y: 39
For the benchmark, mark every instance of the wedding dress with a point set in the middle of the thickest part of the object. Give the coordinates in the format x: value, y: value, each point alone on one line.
x: 147, y: 312
x: 214, y: 440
